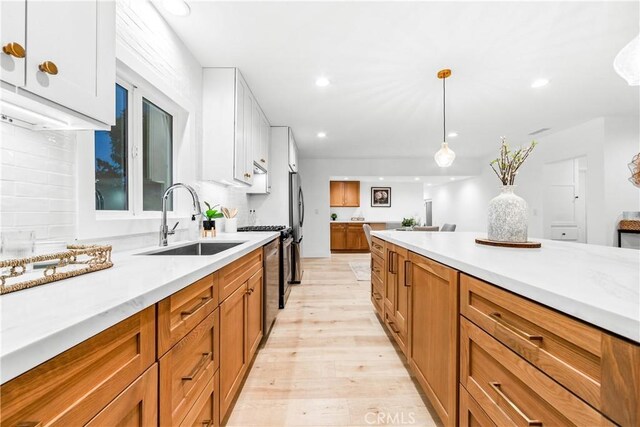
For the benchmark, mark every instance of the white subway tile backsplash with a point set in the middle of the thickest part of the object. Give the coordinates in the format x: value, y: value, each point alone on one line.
x: 37, y: 182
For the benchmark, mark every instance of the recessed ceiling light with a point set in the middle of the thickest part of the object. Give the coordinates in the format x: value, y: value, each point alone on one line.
x: 539, y: 83
x: 176, y: 7
x: 322, y: 135
x: 417, y: 178
x: 452, y: 134
x: 346, y: 178
x: 429, y: 184
x: 322, y: 82
x: 453, y: 178
x: 381, y: 179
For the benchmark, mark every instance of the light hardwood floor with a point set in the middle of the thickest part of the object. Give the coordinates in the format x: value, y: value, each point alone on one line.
x: 328, y: 361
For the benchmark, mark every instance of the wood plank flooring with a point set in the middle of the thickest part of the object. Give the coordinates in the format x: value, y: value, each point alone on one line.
x: 328, y: 361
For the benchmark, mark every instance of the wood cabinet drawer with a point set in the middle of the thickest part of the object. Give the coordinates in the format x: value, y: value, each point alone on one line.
x: 73, y: 387
x: 377, y: 266
x: 513, y: 392
x: 377, y: 247
x: 205, y: 412
x: 234, y: 275
x: 187, y: 368
x: 182, y: 311
x: 377, y: 297
x: 565, y: 349
x: 471, y: 414
x: 590, y: 363
x: 136, y: 406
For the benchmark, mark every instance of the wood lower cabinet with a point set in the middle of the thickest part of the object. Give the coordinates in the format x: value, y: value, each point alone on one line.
x: 471, y: 414
x: 433, y: 334
x: 205, y: 412
x: 350, y: 237
x: 187, y: 368
x: 73, y: 387
x: 255, y: 319
x: 233, y: 346
x: 338, y: 237
x: 136, y: 406
x: 514, y: 392
x: 397, y: 294
x: 344, y: 194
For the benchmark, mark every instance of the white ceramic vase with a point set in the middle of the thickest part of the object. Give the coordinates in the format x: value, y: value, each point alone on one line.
x: 231, y: 225
x: 508, y: 217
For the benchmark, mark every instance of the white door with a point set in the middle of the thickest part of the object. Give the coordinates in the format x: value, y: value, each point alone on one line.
x: 564, y: 200
x: 71, y: 55
x: 13, y: 39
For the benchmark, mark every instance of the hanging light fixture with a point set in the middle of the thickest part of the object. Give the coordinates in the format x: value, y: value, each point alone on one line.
x: 445, y: 155
x: 627, y: 62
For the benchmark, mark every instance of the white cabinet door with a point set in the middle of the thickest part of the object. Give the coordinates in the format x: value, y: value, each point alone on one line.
x: 265, y: 133
x: 247, y: 152
x: 239, y: 146
x: 13, y: 30
x: 78, y: 39
x: 256, y: 134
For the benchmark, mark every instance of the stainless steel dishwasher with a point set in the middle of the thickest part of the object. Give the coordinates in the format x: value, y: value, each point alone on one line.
x: 271, y: 257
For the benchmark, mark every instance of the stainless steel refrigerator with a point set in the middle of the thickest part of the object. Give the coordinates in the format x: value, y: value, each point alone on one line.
x: 296, y: 219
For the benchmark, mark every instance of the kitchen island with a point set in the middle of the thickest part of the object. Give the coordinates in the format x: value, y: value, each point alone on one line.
x: 488, y: 329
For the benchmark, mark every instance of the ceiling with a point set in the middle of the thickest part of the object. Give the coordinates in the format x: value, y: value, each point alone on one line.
x: 382, y: 59
x: 425, y: 180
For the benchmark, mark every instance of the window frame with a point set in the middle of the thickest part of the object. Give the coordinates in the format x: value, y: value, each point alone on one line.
x: 93, y: 223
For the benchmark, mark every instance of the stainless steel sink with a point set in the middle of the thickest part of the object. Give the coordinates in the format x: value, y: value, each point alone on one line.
x: 196, y: 249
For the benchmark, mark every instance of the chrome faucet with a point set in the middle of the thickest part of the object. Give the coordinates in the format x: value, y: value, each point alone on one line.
x: 164, y: 228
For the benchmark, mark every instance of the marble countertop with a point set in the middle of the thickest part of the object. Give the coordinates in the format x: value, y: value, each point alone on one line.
x: 597, y: 284
x: 39, y: 323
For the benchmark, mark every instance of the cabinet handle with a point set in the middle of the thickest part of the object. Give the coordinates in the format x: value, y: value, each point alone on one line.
x: 501, y: 396
x: 407, y: 276
x: 48, y: 67
x: 394, y: 263
x: 263, y: 160
x: 497, y: 317
x: 14, y: 49
x: 250, y: 291
x: 195, y: 308
x: 389, y: 261
x: 201, y: 364
x: 207, y: 423
x: 393, y: 328
x: 377, y: 296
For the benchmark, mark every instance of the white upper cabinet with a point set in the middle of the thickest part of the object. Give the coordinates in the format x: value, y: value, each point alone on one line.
x: 293, y: 153
x: 233, y: 128
x: 69, y: 63
x: 13, y: 15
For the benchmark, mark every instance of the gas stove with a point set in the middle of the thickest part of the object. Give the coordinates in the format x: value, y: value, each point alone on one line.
x: 262, y: 228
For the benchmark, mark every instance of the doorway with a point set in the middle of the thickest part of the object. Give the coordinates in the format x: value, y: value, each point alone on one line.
x: 565, y: 200
x: 428, y: 213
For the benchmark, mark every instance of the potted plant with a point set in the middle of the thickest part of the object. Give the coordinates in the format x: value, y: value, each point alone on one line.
x: 408, y: 222
x: 508, y: 213
x: 334, y: 216
x: 211, y: 214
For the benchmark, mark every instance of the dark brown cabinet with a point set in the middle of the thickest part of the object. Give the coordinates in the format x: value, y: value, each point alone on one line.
x: 344, y: 194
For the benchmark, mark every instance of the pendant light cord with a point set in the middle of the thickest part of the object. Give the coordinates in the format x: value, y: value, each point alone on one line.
x: 444, y: 110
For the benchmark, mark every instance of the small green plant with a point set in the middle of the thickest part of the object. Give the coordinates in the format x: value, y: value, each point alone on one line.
x: 408, y: 222
x: 211, y: 213
x: 334, y: 216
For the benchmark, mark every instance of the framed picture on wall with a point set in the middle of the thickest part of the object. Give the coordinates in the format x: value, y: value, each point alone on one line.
x: 380, y: 197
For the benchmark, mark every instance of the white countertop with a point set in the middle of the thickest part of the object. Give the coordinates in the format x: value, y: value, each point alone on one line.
x: 39, y: 323
x: 597, y: 284
x: 366, y: 221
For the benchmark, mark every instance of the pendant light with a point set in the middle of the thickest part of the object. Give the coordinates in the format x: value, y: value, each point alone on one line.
x: 445, y: 155
x: 627, y: 62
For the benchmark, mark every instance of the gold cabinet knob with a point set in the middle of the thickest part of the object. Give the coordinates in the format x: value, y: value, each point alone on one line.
x: 247, y: 175
x: 263, y: 160
x: 14, y: 49
x: 48, y: 67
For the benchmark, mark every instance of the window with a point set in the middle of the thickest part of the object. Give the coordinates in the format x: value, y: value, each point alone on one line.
x: 134, y: 160
x: 112, y: 178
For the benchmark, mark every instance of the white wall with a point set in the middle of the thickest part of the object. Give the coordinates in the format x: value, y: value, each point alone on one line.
x: 607, y: 143
x: 406, y: 201
x: 315, y: 183
x: 40, y: 171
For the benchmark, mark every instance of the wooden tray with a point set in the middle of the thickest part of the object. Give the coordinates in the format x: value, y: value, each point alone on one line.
x: 523, y: 245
